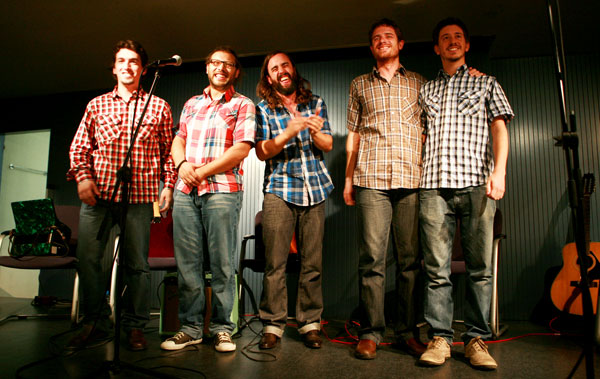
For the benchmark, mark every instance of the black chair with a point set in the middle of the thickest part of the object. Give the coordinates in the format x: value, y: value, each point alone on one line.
x: 258, y: 262
x: 458, y: 267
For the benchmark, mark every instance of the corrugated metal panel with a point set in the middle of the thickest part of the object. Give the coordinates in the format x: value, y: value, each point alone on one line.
x: 535, y: 207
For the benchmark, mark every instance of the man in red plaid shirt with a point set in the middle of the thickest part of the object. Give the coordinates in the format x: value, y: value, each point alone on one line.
x: 216, y: 133
x: 97, y: 152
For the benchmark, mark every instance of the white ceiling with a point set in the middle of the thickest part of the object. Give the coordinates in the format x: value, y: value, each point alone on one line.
x: 56, y: 46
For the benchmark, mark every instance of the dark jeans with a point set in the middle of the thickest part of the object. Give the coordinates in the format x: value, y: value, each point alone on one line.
x: 279, y: 222
x: 94, y: 275
x: 378, y: 210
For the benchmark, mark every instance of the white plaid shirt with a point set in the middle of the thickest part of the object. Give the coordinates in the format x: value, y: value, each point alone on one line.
x: 458, y: 111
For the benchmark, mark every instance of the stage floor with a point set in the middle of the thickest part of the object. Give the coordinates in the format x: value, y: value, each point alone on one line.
x: 41, y: 341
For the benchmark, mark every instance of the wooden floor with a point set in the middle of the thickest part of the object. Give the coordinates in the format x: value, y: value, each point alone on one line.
x: 34, y: 346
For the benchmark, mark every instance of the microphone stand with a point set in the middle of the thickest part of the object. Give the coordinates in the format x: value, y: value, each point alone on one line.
x: 569, y: 141
x: 124, y: 179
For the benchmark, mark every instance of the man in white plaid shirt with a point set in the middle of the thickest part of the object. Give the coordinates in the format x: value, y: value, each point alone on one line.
x: 463, y: 175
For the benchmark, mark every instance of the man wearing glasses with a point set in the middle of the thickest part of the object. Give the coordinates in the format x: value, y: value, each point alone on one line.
x: 292, y: 136
x: 216, y: 132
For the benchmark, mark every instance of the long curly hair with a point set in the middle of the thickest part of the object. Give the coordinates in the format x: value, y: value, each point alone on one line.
x: 265, y: 90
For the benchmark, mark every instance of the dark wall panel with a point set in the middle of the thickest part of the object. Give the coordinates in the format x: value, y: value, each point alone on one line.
x: 536, y: 210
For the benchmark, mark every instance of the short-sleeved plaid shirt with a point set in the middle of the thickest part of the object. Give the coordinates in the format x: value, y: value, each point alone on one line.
x: 210, y: 127
x: 387, y: 118
x: 297, y: 174
x: 102, y: 139
x: 459, y: 110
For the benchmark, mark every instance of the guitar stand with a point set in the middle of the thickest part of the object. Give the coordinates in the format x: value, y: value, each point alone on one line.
x: 569, y: 141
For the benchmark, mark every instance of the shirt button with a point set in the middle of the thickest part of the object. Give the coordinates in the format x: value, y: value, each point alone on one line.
x: 392, y: 112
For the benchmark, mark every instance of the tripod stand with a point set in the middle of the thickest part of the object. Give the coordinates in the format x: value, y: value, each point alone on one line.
x: 569, y: 141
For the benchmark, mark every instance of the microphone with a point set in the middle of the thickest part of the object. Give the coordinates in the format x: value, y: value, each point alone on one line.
x: 175, y: 60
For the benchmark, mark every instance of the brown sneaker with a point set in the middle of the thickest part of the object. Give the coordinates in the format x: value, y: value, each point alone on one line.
x: 438, y: 350
x: 477, y: 352
x: 179, y: 341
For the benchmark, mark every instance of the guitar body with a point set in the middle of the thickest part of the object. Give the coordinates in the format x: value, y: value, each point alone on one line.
x: 565, y: 293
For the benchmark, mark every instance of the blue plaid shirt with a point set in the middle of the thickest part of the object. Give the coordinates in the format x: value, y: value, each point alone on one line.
x: 459, y: 110
x: 297, y: 174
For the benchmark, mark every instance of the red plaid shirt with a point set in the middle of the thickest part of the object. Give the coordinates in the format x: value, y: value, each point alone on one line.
x: 102, y: 139
x: 210, y: 127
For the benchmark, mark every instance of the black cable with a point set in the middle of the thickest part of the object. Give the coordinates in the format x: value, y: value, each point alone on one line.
x: 247, y: 350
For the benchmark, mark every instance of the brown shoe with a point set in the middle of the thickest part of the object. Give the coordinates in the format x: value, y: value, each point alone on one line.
x: 268, y: 341
x: 366, y: 349
x: 88, y: 336
x: 136, y: 340
x: 412, y: 346
x: 312, y: 339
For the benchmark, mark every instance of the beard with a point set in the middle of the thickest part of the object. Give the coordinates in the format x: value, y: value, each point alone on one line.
x: 286, y: 91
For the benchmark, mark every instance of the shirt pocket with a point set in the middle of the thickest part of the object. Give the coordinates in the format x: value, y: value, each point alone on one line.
x: 147, y: 127
x: 431, y: 106
x: 469, y: 102
x: 108, y: 128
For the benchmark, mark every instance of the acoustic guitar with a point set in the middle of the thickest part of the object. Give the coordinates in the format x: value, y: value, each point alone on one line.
x: 566, y: 290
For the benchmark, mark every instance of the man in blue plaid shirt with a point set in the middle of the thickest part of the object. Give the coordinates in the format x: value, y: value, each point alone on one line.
x: 292, y: 136
x: 463, y: 176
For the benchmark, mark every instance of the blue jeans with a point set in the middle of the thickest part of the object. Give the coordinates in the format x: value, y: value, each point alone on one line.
x: 279, y: 223
x: 440, y: 210
x: 379, y: 212
x: 94, y: 275
x: 208, y: 225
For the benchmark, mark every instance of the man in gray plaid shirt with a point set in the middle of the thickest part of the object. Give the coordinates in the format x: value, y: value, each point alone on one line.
x: 463, y: 176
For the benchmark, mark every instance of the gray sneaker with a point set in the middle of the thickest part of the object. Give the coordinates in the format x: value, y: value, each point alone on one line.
x: 438, y: 350
x: 223, y: 342
x: 477, y: 352
x: 179, y: 341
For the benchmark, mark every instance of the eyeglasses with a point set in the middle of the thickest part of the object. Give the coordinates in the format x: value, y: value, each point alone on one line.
x: 216, y: 63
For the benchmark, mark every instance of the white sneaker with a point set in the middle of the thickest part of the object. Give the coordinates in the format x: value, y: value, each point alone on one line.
x: 179, y: 341
x: 438, y: 350
x: 223, y: 342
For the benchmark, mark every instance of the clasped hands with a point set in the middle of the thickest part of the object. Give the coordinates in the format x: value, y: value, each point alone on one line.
x: 192, y: 174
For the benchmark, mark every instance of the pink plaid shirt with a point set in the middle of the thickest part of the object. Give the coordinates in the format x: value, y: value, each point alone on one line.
x: 210, y: 127
x: 102, y: 139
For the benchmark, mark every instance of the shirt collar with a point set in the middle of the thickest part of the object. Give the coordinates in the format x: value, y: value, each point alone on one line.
x: 226, y: 96
x: 401, y: 70
x: 115, y: 94
x: 461, y: 70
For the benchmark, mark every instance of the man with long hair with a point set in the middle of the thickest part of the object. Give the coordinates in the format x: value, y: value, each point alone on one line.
x: 97, y: 151
x: 292, y: 136
x: 216, y: 132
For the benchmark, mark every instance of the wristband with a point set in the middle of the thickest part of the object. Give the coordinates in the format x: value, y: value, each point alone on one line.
x: 180, y: 163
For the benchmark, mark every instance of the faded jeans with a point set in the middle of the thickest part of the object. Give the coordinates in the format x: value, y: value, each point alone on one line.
x: 439, y: 211
x: 206, y: 224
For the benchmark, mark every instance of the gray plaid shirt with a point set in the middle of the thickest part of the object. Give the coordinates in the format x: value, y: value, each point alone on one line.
x: 458, y: 111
